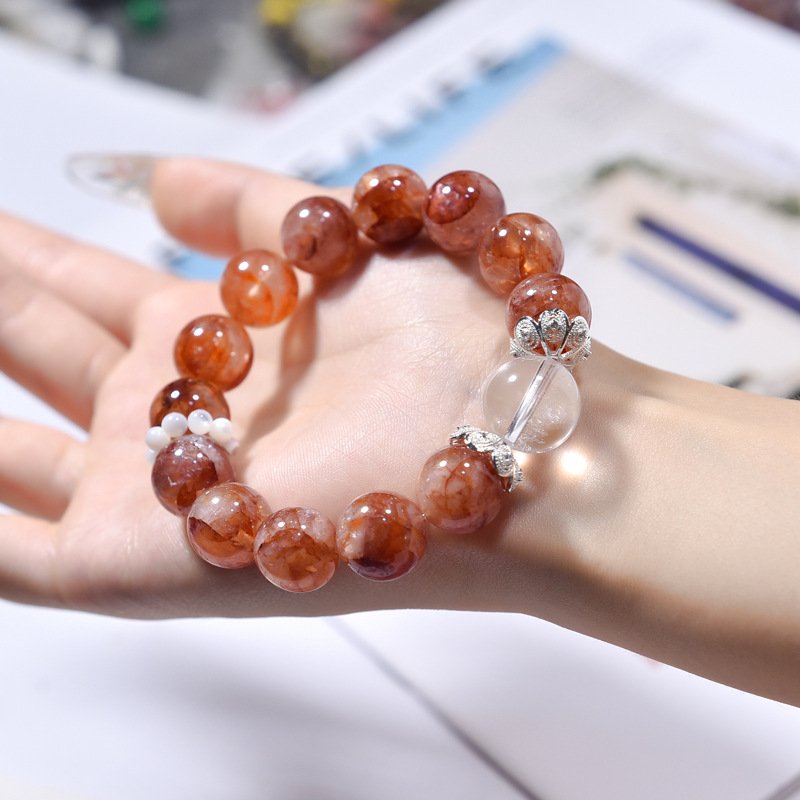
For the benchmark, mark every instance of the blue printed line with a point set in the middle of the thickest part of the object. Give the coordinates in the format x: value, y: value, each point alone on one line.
x: 697, y: 296
x: 186, y: 263
x: 733, y: 269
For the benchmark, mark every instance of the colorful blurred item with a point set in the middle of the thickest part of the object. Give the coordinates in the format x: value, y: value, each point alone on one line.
x: 146, y: 15
x: 257, y: 55
x: 784, y: 12
x: 320, y: 36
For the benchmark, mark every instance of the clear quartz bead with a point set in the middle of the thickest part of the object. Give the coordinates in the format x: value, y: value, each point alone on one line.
x: 533, y: 403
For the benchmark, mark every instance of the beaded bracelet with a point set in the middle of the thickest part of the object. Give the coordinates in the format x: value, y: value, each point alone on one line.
x: 531, y: 402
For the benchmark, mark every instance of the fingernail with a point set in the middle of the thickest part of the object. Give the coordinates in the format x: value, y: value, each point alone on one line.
x: 124, y: 177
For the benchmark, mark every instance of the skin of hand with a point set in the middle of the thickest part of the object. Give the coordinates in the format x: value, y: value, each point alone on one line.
x: 667, y: 524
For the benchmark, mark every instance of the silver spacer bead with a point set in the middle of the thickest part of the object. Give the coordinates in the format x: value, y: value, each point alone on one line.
x: 502, y: 455
x: 552, y: 333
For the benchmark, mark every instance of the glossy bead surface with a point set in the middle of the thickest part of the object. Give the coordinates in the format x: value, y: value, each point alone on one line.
x: 295, y: 549
x: 200, y: 421
x: 516, y: 247
x: 216, y: 349
x: 186, y: 467
x: 259, y: 288
x: 184, y: 396
x: 388, y: 203
x: 532, y: 402
x: 542, y: 292
x: 221, y: 430
x: 174, y: 424
x: 157, y: 438
x: 460, y: 208
x: 319, y: 236
x: 459, y: 490
x: 222, y: 524
x: 381, y: 536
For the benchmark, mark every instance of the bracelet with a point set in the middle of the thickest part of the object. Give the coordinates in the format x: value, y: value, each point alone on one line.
x: 531, y: 402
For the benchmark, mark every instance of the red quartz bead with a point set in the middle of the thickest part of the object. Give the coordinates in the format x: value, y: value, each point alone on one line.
x: 184, y: 396
x: 222, y: 524
x: 388, y: 203
x: 548, y: 291
x: 460, y: 208
x: 381, y: 536
x: 259, y: 288
x: 296, y: 549
x: 516, y: 247
x: 460, y: 490
x: 319, y: 236
x: 214, y: 348
x: 186, y: 467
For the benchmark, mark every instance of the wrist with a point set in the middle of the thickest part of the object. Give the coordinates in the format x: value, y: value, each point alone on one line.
x: 666, y: 526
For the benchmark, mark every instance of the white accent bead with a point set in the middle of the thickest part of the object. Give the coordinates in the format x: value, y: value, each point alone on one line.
x: 156, y: 438
x: 221, y: 430
x: 174, y: 424
x: 150, y: 455
x: 533, y: 403
x: 232, y: 445
x: 200, y: 421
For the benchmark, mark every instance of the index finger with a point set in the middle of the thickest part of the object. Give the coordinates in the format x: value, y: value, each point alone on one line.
x: 220, y: 207
x: 101, y: 285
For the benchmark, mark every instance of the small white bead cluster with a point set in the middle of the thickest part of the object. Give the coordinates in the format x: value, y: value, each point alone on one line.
x: 199, y: 422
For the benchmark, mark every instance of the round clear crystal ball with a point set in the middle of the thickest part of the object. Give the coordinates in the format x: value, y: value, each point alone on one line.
x: 532, y: 402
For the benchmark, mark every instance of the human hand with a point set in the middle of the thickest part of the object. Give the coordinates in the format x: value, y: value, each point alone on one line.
x: 368, y: 377
x: 666, y: 524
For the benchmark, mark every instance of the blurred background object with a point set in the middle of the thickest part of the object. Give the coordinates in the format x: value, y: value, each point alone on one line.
x: 63, y: 29
x: 784, y: 12
x: 256, y: 55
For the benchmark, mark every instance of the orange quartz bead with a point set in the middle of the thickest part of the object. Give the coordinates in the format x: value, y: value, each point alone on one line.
x: 460, y: 208
x: 388, y: 202
x: 460, y: 490
x: 319, y: 236
x: 295, y: 549
x: 186, y: 395
x: 259, y: 288
x: 543, y: 292
x: 516, y: 247
x: 186, y: 467
x: 381, y: 536
x: 216, y: 349
x: 222, y: 524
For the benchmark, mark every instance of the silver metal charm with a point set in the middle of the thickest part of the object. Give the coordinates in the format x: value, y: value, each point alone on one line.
x: 502, y: 455
x: 552, y: 333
